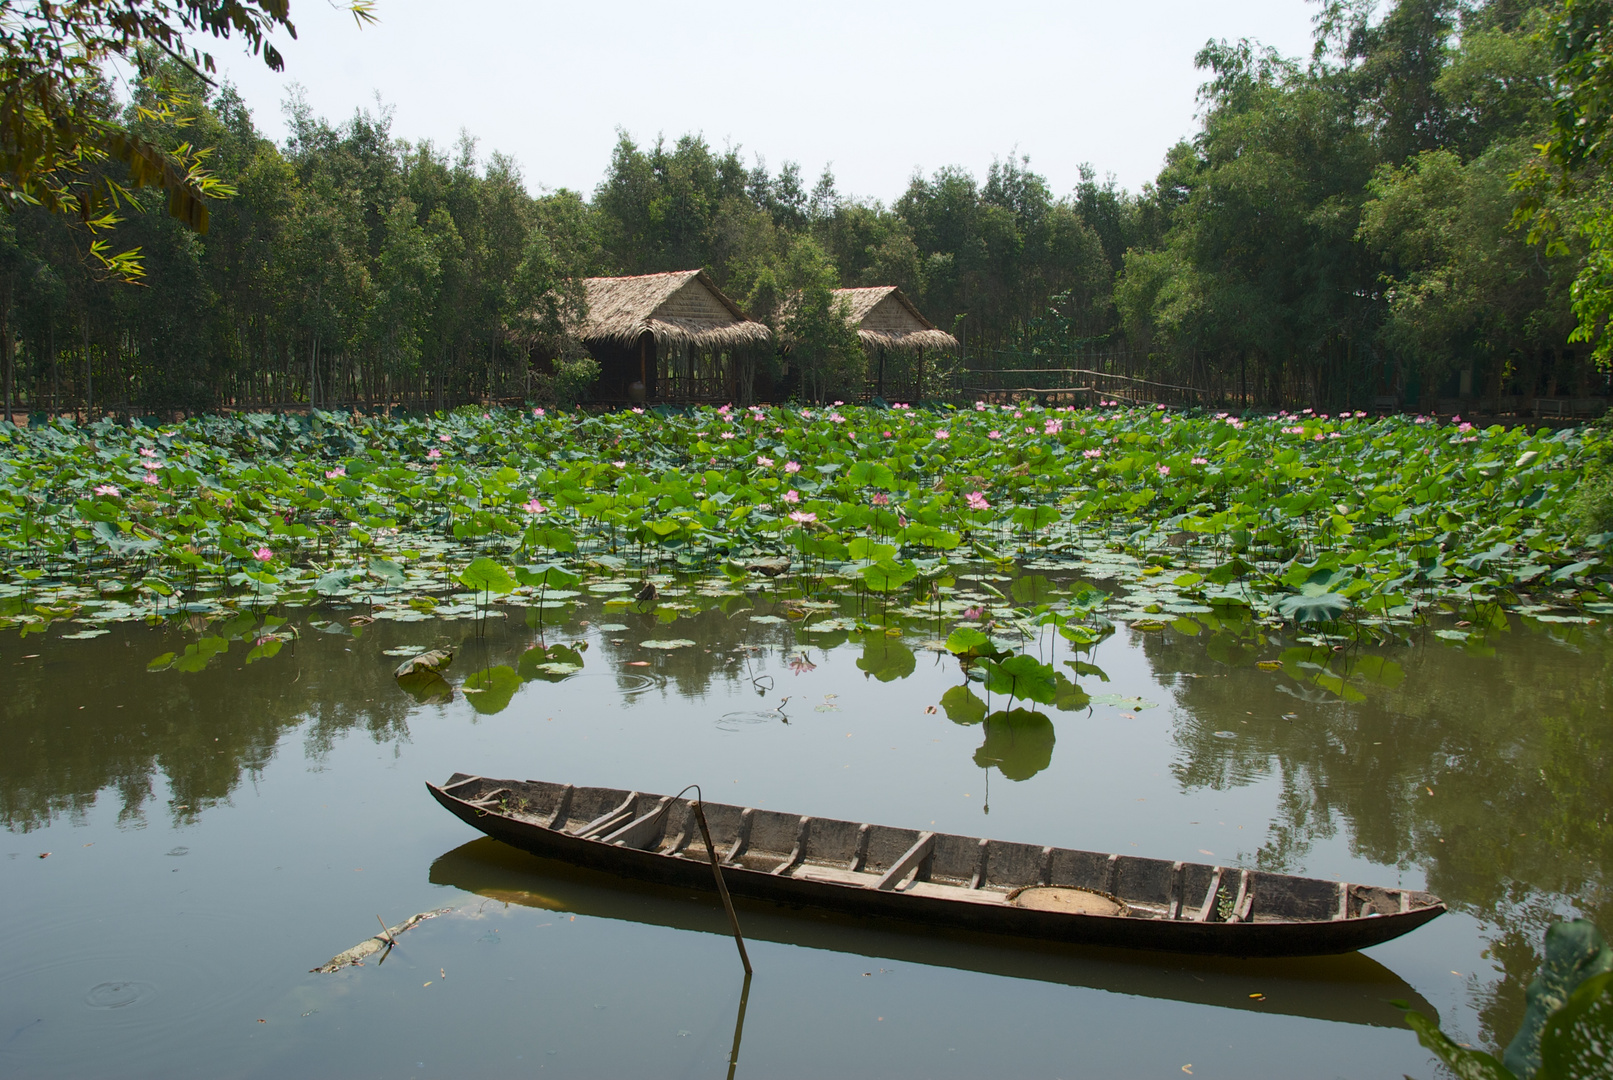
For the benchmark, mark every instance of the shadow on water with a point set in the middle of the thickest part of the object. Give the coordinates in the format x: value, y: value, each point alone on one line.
x: 1351, y: 989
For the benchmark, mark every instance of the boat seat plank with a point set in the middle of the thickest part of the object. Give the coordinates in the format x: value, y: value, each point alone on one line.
x: 802, y: 833
x: 747, y: 816
x: 1208, y: 907
x: 908, y: 863
x: 984, y: 851
x: 686, y: 831
x: 1173, y: 909
x: 637, y: 831
x: 562, y: 809
x: 1245, y: 898
x: 859, y: 854
x: 609, y: 819
x: 1344, y: 902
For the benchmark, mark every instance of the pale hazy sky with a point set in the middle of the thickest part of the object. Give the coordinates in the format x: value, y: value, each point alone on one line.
x: 876, y: 89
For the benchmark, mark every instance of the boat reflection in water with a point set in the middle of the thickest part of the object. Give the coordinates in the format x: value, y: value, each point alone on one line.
x: 1351, y: 988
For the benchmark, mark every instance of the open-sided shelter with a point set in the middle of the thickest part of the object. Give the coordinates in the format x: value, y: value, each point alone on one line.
x: 669, y: 337
x: 894, y: 335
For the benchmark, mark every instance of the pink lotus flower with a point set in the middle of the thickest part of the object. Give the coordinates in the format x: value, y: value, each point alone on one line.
x: 839, y: 403
x: 1161, y: 408
x: 980, y: 406
x: 146, y: 451
x: 537, y: 412
x: 792, y: 467
x: 533, y: 506
x: 1092, y: 453
x: 765, y: 462
x: 638, y: 410
x: 994, y: 434
x: 1464, y: 427
x: 881, y: 499
x: 1201, y: 461
x: 1164, y: 470
x: 792, y: 496
x: 149, y: 478
x: 803, y: 517
x: 1053, y: 427
x: 801, y: 665
x: 977, y: 501
x: 487, y: 416
x: 943, y: 434
x: 976, y: 612
x: 433, y: 453
x: 728, y: 434
x: 620, y: 464
x: 263, y: 554
x: 445, y: 437
x: 887, y: 434
x: 107, y: 489
x: 336, y: 473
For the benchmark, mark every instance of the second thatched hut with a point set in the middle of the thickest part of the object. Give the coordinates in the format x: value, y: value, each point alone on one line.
x: 669, y: 337
x: 895, y: 336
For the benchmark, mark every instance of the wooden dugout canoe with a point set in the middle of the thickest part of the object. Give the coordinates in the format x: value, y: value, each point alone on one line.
x: 995, y: 886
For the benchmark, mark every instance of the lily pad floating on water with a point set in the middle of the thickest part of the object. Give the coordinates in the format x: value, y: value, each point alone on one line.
x: 433, y: 660
x: 668, y: 644
x: 611, y: 627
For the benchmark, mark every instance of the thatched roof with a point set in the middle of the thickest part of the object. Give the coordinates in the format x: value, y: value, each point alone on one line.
x: 681, y: 308
x: 884, y: 318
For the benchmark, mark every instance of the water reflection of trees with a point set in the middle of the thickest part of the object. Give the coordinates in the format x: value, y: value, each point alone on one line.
x: 86, y: 716
x: 1486, y: 767
x: 204, y: 732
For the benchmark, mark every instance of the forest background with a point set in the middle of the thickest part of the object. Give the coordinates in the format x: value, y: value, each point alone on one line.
x: 1372, y: 220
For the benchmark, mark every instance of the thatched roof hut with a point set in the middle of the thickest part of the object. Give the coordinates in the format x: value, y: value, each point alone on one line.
x: 684, y: 307
x: 666, y: 336
x: 886, y: 319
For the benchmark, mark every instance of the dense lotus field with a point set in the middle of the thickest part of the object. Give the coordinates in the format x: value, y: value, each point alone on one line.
x: 1352, y: 524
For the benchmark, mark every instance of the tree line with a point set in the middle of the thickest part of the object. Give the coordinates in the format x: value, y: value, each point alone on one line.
x: 1343, y: 227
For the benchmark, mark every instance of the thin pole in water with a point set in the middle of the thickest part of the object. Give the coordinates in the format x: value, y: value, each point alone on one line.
x: 739, y: 1022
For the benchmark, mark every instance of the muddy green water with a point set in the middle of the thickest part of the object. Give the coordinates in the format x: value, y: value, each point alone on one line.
x: 212, y: 836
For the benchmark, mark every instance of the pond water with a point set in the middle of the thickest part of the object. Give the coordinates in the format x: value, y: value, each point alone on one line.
x: 182, y: 848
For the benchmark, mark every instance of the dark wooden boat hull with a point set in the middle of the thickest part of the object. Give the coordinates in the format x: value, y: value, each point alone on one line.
x: 1255, y: 933
x: 1351, y: 988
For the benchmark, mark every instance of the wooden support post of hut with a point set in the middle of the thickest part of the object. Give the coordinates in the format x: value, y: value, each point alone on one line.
x: 668, y: 337
x: 892, y: 329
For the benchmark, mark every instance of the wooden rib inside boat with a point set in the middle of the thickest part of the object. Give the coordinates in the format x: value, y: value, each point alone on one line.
x: 996, y: 886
